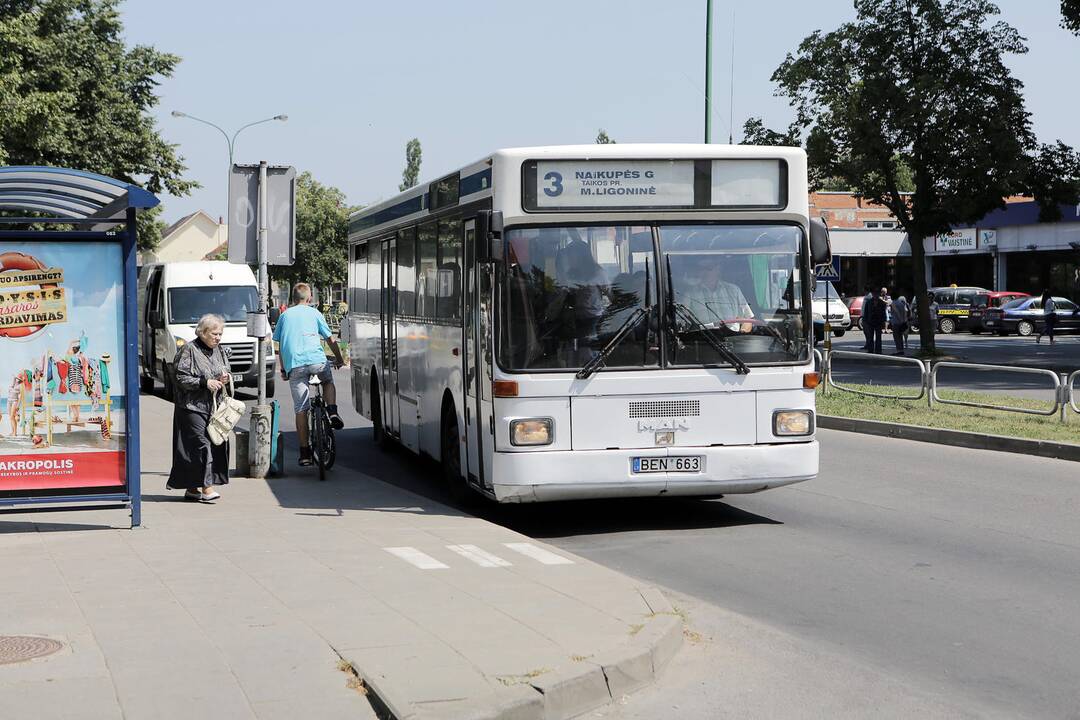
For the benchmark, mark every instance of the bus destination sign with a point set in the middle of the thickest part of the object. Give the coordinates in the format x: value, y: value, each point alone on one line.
x: 614, y: 184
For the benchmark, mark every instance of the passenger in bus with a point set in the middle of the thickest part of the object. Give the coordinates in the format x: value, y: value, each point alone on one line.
x: 299, y: 333
x: 714, y: 300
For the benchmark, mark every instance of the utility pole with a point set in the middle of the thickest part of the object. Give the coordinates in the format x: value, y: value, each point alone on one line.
x: 708, y: 71
x: 259, y: 437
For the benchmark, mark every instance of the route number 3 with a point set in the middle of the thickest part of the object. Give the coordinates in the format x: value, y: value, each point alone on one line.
x: 555, y: 188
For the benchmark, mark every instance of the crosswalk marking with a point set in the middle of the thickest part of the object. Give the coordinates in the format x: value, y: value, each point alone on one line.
x: 539, y: 554
x: 414, y: 557
x: 481, y: 557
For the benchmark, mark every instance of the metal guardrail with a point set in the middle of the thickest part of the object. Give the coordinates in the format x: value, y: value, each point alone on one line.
x: 1065, y: 388
x: 1071, y: 390
x: 871, y: 357
x: 997, y: 368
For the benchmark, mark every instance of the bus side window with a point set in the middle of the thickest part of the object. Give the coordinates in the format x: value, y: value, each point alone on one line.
x: 358, y: 293
x: 427, y: 272
x: 374, y: 277
x: 449, y: 264
x: 406, y: 278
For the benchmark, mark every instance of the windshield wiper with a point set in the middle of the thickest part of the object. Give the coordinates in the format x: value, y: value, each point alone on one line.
x: 678, y: 310
x: 597, y: 361
x: 710, y: 334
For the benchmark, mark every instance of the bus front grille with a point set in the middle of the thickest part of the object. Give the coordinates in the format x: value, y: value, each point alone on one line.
x: 243, y: 355
x: 665, y: 408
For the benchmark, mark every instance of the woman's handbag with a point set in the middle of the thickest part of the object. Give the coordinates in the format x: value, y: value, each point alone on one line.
x: 225, y: 415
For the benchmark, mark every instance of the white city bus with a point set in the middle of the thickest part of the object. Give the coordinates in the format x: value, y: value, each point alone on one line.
x: 594, y: 321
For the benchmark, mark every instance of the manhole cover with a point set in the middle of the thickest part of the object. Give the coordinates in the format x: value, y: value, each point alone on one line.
x: 19, y: 648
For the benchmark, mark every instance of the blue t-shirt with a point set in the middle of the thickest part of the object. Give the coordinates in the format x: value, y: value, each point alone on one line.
x: 299, y: 334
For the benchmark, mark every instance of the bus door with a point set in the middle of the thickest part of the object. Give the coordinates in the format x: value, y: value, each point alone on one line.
x: 389, y: 384
x: 478, y: 349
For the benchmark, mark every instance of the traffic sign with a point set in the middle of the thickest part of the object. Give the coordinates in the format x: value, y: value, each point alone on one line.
x: 829, y: 273
x: 280, y: 213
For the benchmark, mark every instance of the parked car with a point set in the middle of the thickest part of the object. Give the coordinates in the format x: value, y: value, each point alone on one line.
x: 984, y: 301
x: 1025, y: 316
x: 826, y: 297
x: 854, y: 306
x: 954, y: 306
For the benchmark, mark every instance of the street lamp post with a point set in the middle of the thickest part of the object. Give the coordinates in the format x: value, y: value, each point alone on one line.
x: 229, y: 140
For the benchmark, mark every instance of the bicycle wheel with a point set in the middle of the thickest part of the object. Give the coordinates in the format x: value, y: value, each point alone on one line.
x: 317, y: 430
x: 329, y: 443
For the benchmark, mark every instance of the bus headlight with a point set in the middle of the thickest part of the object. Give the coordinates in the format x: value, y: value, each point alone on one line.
x: 532, y: 431
x: 180, y: 342
x: 793, y: 422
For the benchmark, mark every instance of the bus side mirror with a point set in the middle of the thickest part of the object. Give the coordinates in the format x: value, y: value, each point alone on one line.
x: 820, y: 247
x: 489, y: 227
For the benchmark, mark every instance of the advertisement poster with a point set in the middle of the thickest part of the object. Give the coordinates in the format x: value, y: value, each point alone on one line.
x: 63, y: 422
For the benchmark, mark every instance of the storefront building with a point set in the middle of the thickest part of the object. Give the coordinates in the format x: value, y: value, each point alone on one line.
x: 1009, y: 249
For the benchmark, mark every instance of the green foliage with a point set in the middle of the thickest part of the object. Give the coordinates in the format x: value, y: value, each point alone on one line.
x: 755, y: 133
x: 603, y: 139
x: 411, y: 174
x: 73, y: 94
x: 1054, y: 179
x: 1070, y: 15
x: 150, y: 228
x: 322, y: 233
x: 917, y: 89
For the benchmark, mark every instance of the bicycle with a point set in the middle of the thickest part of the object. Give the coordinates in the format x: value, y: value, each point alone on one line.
x: 320, y: 431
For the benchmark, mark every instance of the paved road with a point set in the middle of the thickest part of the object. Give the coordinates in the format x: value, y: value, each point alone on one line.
x: 953, y: 571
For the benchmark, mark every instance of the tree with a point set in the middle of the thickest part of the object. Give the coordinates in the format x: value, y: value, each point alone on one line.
x: 921, y: 84
x: 603, y: 139
x: 755, y: 133
x: 411, y: 175
x: 73, y: 94
x: 1070, y: 15
x: 322, y: 234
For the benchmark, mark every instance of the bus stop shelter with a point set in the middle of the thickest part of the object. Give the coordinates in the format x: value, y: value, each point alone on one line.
x: 69, y: 377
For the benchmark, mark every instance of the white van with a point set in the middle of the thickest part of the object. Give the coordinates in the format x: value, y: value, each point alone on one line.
x: 172, y: 298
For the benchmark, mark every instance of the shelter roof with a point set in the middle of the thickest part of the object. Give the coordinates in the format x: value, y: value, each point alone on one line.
x: 69, y: 194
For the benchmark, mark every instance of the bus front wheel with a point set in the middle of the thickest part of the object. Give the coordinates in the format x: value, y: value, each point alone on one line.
x: 382, y: 440
x: 451, y: 458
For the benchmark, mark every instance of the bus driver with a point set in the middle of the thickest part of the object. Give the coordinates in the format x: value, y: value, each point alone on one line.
x: 716, y: 301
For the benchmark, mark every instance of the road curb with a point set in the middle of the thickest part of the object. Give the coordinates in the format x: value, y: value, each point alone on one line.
x: 955, y: 438
x: 566, y: 693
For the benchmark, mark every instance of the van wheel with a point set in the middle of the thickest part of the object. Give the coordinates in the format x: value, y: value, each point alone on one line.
x: 948, y: 326
x: 1025, y: 328
x: 168, y: 390
x: 838, y: 333
x: 269, y: 388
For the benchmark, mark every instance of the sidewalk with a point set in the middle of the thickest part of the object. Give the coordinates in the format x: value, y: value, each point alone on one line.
x: 257, y: 606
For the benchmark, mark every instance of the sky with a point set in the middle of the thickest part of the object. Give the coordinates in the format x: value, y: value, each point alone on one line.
x: 358, y: 78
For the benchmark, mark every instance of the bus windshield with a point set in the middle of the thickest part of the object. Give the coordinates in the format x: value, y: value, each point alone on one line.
x: 232, y: 302
x: 569, y: 291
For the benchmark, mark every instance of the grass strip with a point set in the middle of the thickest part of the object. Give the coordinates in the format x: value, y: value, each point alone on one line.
x: 952, y: 417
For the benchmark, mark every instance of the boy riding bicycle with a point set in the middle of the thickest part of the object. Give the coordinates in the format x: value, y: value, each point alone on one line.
x: 299, y: 333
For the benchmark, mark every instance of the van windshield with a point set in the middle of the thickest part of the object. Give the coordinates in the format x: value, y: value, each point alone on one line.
x: 232, y: 302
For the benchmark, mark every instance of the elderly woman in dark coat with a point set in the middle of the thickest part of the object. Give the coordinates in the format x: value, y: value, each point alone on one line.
x: 202, y: 369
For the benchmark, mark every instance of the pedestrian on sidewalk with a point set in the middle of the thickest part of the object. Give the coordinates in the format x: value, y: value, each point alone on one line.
x: 877, y: 314
x: 868, y: 300
x: 900, y: 314
x: 202, y: 370
x: 931, y: 302
x: 1049, y: 317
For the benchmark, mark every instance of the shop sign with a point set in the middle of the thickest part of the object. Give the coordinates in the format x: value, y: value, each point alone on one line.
x: 988, y: 238
x: 62, y: 350
x: 957, y: 240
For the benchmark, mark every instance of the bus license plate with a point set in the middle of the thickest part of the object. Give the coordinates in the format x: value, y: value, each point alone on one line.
x: 679, y: 463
